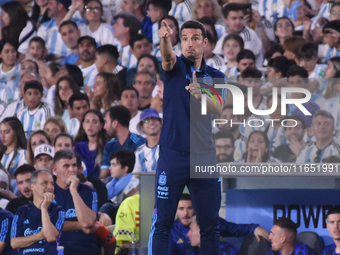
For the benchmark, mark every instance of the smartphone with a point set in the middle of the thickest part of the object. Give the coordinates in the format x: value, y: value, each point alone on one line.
x: 248, y: 11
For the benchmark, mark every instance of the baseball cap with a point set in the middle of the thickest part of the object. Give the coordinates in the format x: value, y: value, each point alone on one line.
x: 44, y: 149
x: 147, y: 113
x: 312, y: 108
x: 66, y: 3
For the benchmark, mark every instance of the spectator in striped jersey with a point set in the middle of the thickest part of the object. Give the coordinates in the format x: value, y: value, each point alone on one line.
x: 283, y: 29
x: 212, y: 59
x: 78, y: 104
x: 147, y: 154
x: 14, y: 144
x: 35, y: 114
x: 54, y: 126
x: 324, y: 145
x: 181, y: 10
x: 139, y: 45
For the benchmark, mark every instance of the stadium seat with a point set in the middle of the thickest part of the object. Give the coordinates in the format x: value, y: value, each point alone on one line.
x: 250, y: 246
x: 313, y: 240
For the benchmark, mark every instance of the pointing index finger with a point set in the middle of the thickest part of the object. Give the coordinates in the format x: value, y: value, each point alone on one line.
x: 194, y: 78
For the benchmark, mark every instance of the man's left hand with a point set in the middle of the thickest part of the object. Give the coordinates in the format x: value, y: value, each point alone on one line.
x: 260, y: 231
x: 194, y: 87
x: 48, y: 198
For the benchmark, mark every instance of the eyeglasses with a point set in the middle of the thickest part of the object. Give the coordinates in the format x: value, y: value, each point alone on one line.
x: 335, y: 13
x: 225, y: 147
x: 88, y: 9
x: 147, y: 120
x: 318, y: 156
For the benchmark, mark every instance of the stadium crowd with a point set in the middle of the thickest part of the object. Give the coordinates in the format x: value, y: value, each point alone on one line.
x: 81, y: 101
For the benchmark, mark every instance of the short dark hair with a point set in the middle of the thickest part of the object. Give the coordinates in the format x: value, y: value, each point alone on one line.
x: 276, y: 47
x: 281, y: 64
x: 245, y: 54
x: 9, y: 41
x: 333, y: 210
x: 211, y: 39
x: 164, y: 6
x: 297, y: 118
x: 233, y: 7
x: 36, y: 173
x: 136, y: 38
x: 125, y: 158
x: 68, y: 22
x: 110, y: 51
x: 335, y: 24
x: 297, y: 70
x: 33, y: 85
x: 89, y: 38
x: 145, y: 71
x: 121, y: 114
x: 251, y: 72
x: 63, y: 154
x: 77, y: 97
x: 308, y: 50
x: 23, y: 169
x: 149, y: 56
x: 131, y: 22
x: 194, y: 24
x: 286, y: 223
x: 185, y: 197
x: 128, y: 88
x: 38, y: 39
x: 63, y: 134
x: 208, y: 21
x: 224, y: 134
x: 236, y: 37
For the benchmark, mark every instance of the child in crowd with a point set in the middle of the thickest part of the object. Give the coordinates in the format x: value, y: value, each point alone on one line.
x: 35, y: 114
x: 232, y: 45
x: 37, y: 48
x: 123, y: 182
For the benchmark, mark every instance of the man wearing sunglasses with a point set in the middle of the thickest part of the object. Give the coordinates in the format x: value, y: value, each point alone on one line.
x: 324, y: 145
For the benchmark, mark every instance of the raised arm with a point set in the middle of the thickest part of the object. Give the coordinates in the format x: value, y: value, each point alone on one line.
x: 169, y: 56
x: 49, y: 230
x: 86, y: 216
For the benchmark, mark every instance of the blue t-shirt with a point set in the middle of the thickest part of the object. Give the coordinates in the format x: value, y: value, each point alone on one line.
x: 89, y: 158
x: 70, y: 59
x: 184, y: 127
x: 299, y: 249
x: 147, y: 27
x: 76, y: 241
x: 6, y: 218
x: 330, y: 250
x: 131, y: 143
x: 27, y: 221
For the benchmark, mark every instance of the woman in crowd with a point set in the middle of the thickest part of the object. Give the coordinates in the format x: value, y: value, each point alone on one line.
x: 207, y: 8
x: 37, y: 138
x: 39, y: 12
x: 54, y: 126
x: 105, y: 91
x: 9, y: 70
x: 16, y: 25
x: 90, y: 141
x: 14, y: 142
x: 283, y: 29
x: 332, y: 67
x: 65, y: 88
x: 258, y: 149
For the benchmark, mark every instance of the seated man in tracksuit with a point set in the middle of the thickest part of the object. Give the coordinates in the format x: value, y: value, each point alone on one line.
x: 179, y: 242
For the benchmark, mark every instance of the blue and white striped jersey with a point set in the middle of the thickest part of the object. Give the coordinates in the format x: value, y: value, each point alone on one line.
x: 324, y: 12
x: 13, y: 108
x: 276, y: 138
x: 216, y: 61
x: 182, y: 11
x: 291, y: 13
x: 310, y: 153
x: 34, y: 120
x: 73, y: 127
x: 11, y: 165
x: 126, y: 58
x: 271, y: 10
x: 332, y: 106
x: 9, y: 83
x: 103, y: 35
x: 155, y: 37
x: 53, y: 42
x: 240, y: 147
x: 89, y: 74
x: 319, y: 71
x: 157, y: 53
x: 146, y: 159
